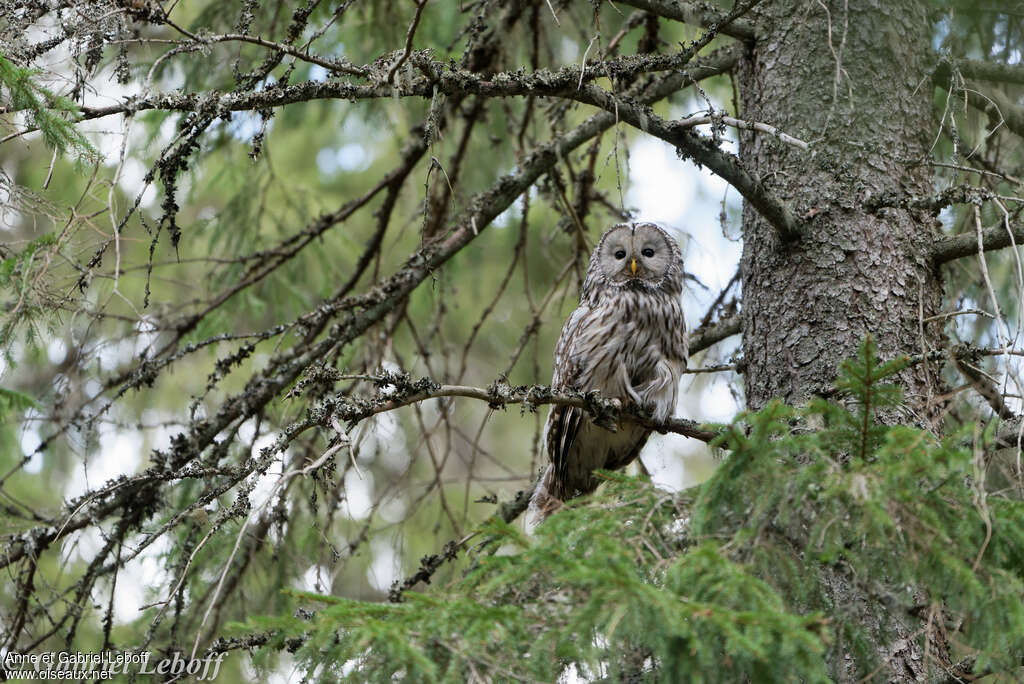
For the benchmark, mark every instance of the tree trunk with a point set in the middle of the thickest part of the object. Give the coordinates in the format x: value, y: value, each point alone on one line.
x: 855, y: 83
x: 853, y: 80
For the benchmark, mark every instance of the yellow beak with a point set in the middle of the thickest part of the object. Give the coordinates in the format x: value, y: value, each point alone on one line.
x: 632, y: 266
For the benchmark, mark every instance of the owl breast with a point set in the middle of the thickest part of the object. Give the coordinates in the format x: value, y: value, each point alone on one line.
x: 636, y: 349
x: 632, y: 347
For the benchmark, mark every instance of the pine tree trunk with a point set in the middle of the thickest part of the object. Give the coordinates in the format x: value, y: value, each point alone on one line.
x: 855, y: 82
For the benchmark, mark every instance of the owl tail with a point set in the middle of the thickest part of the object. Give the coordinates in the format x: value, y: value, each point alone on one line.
x: 544, y: 502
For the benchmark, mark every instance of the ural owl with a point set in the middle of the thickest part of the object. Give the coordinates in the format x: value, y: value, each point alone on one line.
x: 626, y: 339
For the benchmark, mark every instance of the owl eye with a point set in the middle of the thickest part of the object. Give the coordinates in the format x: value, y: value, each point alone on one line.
x: 621, y: 254
x: 647, y: 252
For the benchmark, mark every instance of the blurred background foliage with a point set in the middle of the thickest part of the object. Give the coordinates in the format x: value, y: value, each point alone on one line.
x: 74, y: 333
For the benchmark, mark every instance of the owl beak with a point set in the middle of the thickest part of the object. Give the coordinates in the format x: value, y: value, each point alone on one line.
x: 632, y: 266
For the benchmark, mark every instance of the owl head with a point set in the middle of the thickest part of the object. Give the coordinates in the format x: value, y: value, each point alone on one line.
x: 636, y: 256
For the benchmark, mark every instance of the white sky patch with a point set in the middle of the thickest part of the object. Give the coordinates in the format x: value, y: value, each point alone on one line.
x: 245, y: 125
x: 381, y: 436
x: 358, y: 494
x: 659, y: 184
x: 114, y: 353
x: 30, y: 441
x: 268, y: 481
x: 93, y: 387
x: 146, y: 338
x: 317, y: 579
x: 160, y: 435
x: 718, y: 404
x: 505, y: 218
x: 82, y: 546
x: 119, y: 453
x: 56, y: 350
x: 349, y: 157
x: 132, y: 179
x: 137, y: 583
x: 247, y: 430
x: 385, y: 568
x: 661, y: 458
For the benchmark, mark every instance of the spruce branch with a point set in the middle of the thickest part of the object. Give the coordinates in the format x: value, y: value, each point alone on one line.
x: 399, y: 390
x: 705, y: 336
x: 1000, y: 109
x: 698, y: 13
x: 438, y: 74
x: 950, y: 247
x: 979, y: 69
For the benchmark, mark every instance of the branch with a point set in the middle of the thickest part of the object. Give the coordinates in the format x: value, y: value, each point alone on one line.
x: 605, y: 412
x: 333, y: 64
x: 952, y: 247
x: 507, y: 512
x: 956, y: 194
x: 692, y: 121
x: 390, y: 78
x: 999, y: 108
x: 980, y: 69
x: 448, y: 80
x: 702, y: 14
x: 565, y: 83
x: 702, y: 338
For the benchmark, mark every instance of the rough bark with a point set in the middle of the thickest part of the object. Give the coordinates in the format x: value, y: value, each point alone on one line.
x: 850, y: 80
x: 853, y: 80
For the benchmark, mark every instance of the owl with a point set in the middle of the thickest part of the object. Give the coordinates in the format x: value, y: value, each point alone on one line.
x: 626, y: 339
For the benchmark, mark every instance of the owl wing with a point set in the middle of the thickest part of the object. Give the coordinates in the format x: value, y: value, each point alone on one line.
x: 564, y: 421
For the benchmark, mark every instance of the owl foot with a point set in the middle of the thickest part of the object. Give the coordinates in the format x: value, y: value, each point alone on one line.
x: 605, y: 418
x: 650, y: 411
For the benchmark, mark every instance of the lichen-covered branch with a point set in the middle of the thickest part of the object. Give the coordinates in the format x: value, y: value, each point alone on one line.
x: 698, y: 13
x: 399, y: 390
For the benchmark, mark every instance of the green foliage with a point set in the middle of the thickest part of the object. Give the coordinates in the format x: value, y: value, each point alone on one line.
x: 12, y: 401
x: 20, y: 274
x: 54, y: 115
x: 731, y: 586
x: 896, y: 513
x: 605, y: 587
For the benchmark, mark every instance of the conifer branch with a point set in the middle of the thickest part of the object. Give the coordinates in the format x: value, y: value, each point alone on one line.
x: 979, y: 69
x: 698, y: 13
x: 950, y: 247
x: 563, y: 82
x: 704, y: 337
x: 398, y: 391
x: 999, y: 108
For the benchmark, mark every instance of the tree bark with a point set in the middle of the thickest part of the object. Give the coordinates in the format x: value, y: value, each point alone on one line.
x: 853, y: 79
x: 849, y: 79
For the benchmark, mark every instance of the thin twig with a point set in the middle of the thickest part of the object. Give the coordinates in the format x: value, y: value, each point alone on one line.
x: 390, y: 78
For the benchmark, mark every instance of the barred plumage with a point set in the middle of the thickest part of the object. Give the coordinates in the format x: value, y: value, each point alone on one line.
x: 626, y: 339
